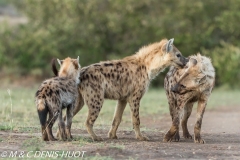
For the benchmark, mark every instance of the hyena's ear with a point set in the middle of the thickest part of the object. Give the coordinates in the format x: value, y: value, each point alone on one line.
x: 78, y: 59
x: 59, y: 62
x: 169, y: 45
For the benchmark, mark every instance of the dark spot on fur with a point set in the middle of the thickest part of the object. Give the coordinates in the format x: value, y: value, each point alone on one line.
x: 108, y: 64
x: 50, y: 92
x: 119, y: 64
x: 64, y: 90
x: 87, y: 76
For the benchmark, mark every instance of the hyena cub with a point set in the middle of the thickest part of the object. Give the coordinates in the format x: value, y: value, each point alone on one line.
x: 58, y: 93
x: 125, y: 80
x: 184, y: 87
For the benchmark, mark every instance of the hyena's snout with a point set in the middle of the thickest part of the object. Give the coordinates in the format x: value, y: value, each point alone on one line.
x: 179, y: 88
x: 184, y: 60
x: 174, y: 88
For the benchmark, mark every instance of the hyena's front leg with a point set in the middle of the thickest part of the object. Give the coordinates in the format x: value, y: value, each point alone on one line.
x: 117, y: 118
x: 173, y: 133
x: 94, y: 106
x: 134, y: 105
x: 69, y: 117
x: 197, y: 128
x: 186, y: 115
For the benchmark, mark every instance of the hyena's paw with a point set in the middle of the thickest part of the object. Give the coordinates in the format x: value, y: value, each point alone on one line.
x: 198, y: 139
x: 45, y: 137
x: 142, y: 138
x: 58, y: 134
x: 62, y: 135
x: 63, y: 138
x: 187, y: 136
x: 97, y: 138
x: 52, y: 139
x: 112, y: 136
x: 170, y: 137
x: 69, y: 137
x: 176, y: 137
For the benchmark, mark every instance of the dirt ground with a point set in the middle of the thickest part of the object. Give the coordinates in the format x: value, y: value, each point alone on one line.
x: 220, y: 130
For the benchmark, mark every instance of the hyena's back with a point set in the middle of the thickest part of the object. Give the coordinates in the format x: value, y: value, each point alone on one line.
x: 117, y: 79
x: 54, y: 92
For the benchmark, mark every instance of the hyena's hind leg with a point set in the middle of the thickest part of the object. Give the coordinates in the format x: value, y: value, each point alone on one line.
x: 94, y: 103
x: 51, y: 120
x: 76, y: 109
x: 186, y: 115
x: 121, y: 105
x: 69, y: 116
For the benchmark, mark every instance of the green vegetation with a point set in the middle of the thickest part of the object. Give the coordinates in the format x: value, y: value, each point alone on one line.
x: 104, y: 30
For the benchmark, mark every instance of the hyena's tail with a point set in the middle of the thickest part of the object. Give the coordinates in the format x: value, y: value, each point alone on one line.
x: 42, y: 111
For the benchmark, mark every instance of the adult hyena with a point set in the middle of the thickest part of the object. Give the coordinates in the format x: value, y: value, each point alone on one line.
x: 58, y: 93
x: 184, y: 87
x: 125, y: 80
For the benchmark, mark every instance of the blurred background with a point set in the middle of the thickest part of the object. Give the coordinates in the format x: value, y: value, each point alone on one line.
x: 32, y: 32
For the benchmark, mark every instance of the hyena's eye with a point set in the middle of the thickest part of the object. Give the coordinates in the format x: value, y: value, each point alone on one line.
x: 182, y: 86
x: 178, y: 55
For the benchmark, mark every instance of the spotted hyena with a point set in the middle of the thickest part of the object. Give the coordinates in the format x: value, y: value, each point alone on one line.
x: 125, y: 80
x: 184, y: 87
x: 58, y: 93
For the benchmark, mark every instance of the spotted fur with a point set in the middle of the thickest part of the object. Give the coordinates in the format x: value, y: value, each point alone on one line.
x: 125, y: 80
x: 55, y: 94
x: 184, y: 87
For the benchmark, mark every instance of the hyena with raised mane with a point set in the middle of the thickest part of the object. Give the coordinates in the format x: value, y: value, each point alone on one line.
x: 125, y: 80
x: 184, y: 87
x: 58, y: 93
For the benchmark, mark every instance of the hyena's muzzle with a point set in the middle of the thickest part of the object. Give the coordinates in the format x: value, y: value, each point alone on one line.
x: 184, y: 61
x: 178, y: 88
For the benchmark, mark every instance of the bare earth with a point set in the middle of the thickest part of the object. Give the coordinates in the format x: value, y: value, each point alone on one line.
x: 220, y: 130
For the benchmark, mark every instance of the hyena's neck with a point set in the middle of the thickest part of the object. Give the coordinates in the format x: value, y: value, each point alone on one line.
x: 73, y: 78
x: 152, y: 56
x: 155, y: 64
